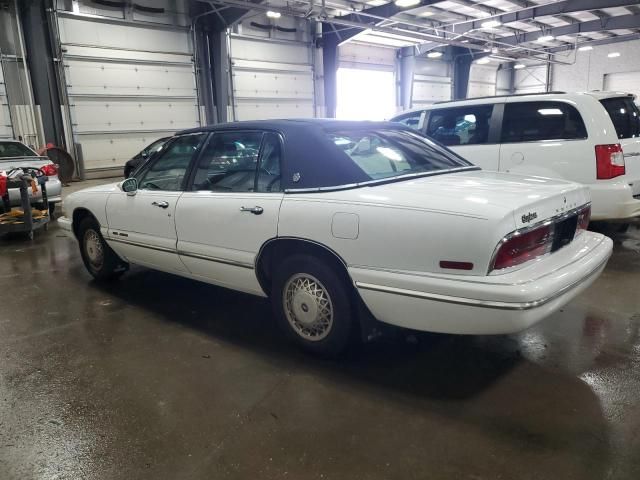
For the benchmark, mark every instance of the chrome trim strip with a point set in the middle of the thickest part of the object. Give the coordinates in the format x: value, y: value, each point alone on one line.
x: 408, y: 176
x: 216, y: 259
x: 481, y: 303
x: 183, y: 253
x: 142, y: 245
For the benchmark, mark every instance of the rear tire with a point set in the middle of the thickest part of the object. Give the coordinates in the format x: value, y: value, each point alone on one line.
x: 99, y: 259
x: 311, y: 303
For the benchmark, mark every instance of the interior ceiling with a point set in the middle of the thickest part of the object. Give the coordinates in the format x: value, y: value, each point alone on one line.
x: 518, y: 24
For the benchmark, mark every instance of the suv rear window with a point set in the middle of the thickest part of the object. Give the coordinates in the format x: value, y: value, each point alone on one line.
x: 624, y: 115
x: 535, y: 121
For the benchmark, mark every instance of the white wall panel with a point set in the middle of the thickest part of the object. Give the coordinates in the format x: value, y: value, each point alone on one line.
x: 623, y: 82
x: 5, y: 119
x: 271, y: 78
x: 590, y: 68
x: 127, y: 84
x: 531, y: 79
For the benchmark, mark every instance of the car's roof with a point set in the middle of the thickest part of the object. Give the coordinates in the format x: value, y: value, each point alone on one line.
x: 598, y: 95
x: 294, y: 124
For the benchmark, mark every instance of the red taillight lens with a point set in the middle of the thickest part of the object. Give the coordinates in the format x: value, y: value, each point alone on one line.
x: 3, y: 184
x: 584, y: 216
x: 522, y: 247
x: 609, y: 161
x: 50, y: 169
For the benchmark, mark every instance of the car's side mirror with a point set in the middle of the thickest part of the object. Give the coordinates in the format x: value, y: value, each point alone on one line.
x: 129, y: 186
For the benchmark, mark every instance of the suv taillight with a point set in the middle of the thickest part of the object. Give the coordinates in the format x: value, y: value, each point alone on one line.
x: 522, y: 247
x: 609, y: 161
x: 50, y: 169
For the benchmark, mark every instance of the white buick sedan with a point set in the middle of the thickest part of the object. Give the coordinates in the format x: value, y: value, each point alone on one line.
x: 336, y: 221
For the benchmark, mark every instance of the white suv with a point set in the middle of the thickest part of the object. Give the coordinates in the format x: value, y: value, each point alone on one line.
x: 592, y: 138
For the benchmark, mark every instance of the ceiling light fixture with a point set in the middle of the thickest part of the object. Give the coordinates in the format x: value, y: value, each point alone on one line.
x: 491, y: 24
x: 434, y: 54
x: 613, y: 54
x: 483, y: 60
x: 546, y: 38
x: 407, y: 3
x: 519, y: 66
x: 586, y: 48
x: 272, y: 14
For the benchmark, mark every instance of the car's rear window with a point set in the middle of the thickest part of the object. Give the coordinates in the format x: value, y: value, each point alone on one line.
x: 15, y: 149
x: 625, y: 116
x: 383, y: 154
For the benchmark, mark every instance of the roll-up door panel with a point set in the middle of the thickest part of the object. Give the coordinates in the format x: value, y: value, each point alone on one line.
x: 6, y: 131
x: 127, y: 85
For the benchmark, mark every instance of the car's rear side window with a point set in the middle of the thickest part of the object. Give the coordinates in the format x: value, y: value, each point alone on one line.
x: 536, y: 121
x: 625, y: 116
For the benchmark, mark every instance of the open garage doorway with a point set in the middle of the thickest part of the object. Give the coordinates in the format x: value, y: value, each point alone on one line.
x: 365, y: 94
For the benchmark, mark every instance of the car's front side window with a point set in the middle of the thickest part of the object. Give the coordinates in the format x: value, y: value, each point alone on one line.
x: 390, y: 153
x: 413, y: 120
x: 460, y: 125
x: 168, y: 171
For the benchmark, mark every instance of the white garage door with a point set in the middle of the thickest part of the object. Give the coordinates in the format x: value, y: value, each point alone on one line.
x: 5, y: 119
x: 623, y: 82
x: 482, y: 80
x: 271, y: 78
x: 127, y: 85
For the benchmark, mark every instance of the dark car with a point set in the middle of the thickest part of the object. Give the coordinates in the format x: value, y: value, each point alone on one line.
x: 144, y: 155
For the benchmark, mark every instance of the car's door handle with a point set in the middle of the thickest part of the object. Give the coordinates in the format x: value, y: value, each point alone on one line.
x: 255, y: 210
x: 161, y: 204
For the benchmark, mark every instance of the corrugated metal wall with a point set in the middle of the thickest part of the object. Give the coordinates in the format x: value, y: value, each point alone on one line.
x: 128, y: 84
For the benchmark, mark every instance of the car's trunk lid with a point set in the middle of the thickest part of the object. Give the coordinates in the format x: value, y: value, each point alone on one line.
x: 485, y: 194
x: 7, y: 164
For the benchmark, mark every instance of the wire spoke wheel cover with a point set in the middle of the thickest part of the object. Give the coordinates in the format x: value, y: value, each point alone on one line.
x: 94, y: 249
x: 308, y: 307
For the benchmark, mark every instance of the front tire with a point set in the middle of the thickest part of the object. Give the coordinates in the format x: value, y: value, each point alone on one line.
x: 312, y: 305
x: 99, y: 259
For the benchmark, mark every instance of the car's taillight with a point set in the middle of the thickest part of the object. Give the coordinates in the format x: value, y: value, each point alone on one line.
x: 584, y: 216
x: 522, y: 247
x: 609, y: 161
x: 50, y: 169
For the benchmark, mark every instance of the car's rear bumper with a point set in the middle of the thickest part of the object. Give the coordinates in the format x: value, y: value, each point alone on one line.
x: 493, y: 304
x: 54, y: 193
x: 614, y: 200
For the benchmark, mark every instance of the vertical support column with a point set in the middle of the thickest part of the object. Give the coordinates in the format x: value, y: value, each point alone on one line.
x: 220, y: 57
x: 461, y: 69
x: 330, y: 72
x: 406, y: 67
x: 512, y: 77
x: 43, y: 74
x: 204, y: 74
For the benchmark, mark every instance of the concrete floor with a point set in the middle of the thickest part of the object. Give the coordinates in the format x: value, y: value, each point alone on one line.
x: 164, y: 378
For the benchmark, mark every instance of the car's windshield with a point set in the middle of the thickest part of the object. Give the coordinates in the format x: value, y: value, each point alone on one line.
x: 383, y: 154
x: 15, y: 149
